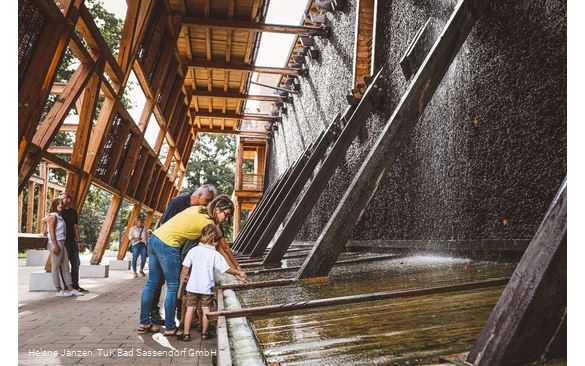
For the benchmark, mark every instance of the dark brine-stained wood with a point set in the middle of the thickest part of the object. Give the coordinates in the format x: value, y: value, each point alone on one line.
x: 343, y: 300
x: 285, y: 204
x: 271, y: 203
x: 322, y: 177
x: 268, y: 212
x: 252, y: 285
x: 532, y: 312
x: 396, y: 132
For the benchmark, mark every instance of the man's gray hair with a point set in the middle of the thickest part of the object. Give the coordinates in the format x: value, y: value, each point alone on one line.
x: 205, y: 189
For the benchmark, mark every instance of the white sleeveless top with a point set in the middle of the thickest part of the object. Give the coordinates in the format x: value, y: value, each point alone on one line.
x: 59, y: 228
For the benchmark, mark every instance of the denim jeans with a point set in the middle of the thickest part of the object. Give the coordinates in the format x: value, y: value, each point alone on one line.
x: 164, y: 264
x: 137, y: 249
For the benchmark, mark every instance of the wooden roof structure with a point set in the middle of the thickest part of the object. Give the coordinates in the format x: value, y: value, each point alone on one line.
x: 193, y: 59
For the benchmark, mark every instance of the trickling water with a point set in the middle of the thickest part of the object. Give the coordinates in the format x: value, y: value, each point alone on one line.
x: 413, y: 330
x: 243, y: 345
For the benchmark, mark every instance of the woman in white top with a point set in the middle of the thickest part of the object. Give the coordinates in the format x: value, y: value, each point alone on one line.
x: 139, y: 237
x: 55, y: 245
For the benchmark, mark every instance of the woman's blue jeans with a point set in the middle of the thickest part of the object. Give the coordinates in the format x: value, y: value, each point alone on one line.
x: 164, y: 264
x: 137, y: 249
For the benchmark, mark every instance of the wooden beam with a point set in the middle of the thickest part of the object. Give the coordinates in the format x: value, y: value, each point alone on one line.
x: 365, y: 24
x: 30, y: 207
x: 394, y: 135
x: 248, y: 117
x: 532, y: 312
x: 329, y: 165
x: 107, y: 226
x: 284, y: 203
x: 125, y: 240
x: 96, y: 144
x: 255, y: 285
x: 305, y: 31
x: 82, y: 137
x: 354, y: 299
x: 34, y: 89
x: 53, y: 121
x: 92, y: 35
x: 235, y: 95
x: 224, y: 356
x: 60, y: 150
x: 244, y: 67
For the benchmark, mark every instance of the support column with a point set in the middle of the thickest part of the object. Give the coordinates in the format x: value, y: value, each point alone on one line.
x: 237, y: 217
x: 30, y: 207
x: 338, y: 230
x: 107, y: 226
x: 43, y: 190
x: 125, y: 241
x: 532, y: 312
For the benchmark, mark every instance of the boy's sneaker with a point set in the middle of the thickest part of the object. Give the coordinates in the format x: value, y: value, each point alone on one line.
x: 63, y: 293
x: 75, y: 292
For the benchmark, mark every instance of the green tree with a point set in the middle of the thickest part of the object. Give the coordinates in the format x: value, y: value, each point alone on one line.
x: 111, y: 29
x: 93, y: 215
x: 213, y: 162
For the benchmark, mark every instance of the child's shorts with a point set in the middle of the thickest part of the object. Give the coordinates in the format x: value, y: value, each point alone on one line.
x: 193, y: 299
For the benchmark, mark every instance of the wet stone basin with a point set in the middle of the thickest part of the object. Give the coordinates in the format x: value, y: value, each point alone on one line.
x: 406, y: 331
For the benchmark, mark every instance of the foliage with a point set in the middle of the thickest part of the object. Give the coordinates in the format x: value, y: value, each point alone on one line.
x: 213, y: 162
x: 93, y: 216
x: 59, y: 176
x: 111, y: 30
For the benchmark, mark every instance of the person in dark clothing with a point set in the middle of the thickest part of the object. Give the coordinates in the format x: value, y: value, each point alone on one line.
x: 201, y: 197
x: 72, y: 239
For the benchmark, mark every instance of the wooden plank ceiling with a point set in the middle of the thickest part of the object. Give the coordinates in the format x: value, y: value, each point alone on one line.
x: 219, y: 90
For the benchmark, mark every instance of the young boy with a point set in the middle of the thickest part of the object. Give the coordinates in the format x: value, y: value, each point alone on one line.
x: 202, y: 260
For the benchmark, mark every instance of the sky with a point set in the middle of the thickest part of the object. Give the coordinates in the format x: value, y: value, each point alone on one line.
x: 273, y: 51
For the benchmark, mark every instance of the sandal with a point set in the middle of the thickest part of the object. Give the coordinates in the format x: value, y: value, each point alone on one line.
x: 174, y: 333
x: 135, y: 275
x: 150, y: 328
x: 142, y: 273
x: 184, y: 337
x: 206, y: 336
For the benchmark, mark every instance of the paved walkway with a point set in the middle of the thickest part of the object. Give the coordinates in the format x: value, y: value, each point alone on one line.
x: 97, y: 328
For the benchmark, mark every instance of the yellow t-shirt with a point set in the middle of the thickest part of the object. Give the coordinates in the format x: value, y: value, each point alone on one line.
x: 187, y: 224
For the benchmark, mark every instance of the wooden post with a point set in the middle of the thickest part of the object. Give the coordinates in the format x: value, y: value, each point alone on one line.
x: 353, y: 299
x: 237, y: 217
x: 285, y: 204
x: 265, y: 212
x: 255, y: 215
x: 224, y: 357
x: 320, y: 180
x: 254, y: 285
x: 532, y: 312
x: 125, y: 239
x: 20, y: 204
x: 100, y: 246
x: 30, y: 207
x: 252, y: 247
x: 394, y: 135
x: 43, y: 190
